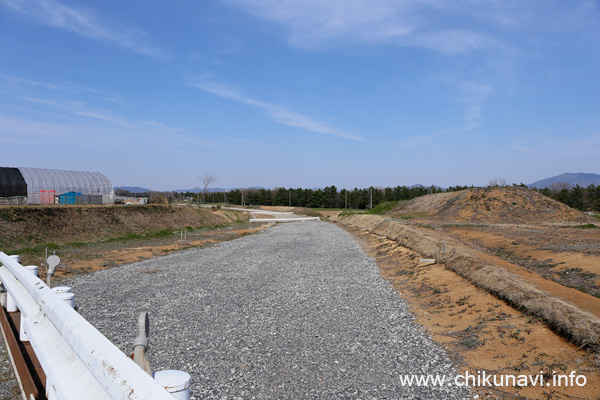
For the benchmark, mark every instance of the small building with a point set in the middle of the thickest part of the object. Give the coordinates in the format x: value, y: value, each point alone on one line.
x: 43, y: 186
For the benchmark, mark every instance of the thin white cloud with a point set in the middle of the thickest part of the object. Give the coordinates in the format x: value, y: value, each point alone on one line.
x: 21, y: 85
x: 471, y: 95
x: 83, y: 22
x: 314, y: 24
x: 276, y: 112
x: 81, y: 109
x: 138, y: 134
x: 54, y: 116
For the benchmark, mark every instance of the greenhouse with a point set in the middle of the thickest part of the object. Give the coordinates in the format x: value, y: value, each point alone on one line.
x: 46, y: 186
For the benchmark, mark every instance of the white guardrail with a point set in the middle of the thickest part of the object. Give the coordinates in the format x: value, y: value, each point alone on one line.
x: 79, y: 362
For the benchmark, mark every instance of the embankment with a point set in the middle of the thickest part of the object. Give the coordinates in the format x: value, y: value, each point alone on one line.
x: 24, y: 226
x: 580, y: 326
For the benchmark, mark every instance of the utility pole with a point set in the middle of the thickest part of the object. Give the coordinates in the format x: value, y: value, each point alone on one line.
x: 290, y: 197
x: 371, y: 191
x: 197, y: 196
x: 242, y: 198
x: 346, y: 201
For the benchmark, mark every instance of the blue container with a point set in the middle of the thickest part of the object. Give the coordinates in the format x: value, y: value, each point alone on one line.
x: 69, y: 197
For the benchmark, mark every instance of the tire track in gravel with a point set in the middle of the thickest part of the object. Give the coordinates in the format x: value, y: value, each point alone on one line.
x: 298, y: 311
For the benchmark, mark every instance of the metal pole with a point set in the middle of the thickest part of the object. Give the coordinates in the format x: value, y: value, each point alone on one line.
x: 290, y: 197
x: 371, y: 190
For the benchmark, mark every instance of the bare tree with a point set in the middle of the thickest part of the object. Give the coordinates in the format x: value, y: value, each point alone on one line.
x: 497, y: 182
x: 559, y: 186
x: 207, y: 179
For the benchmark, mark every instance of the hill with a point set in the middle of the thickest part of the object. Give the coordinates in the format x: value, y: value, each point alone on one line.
x: 133, y: 189
x: 505, y: 204
x: 572, y: 179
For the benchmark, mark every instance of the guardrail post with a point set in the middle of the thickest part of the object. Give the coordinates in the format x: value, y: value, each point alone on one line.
x: 22, y: 334
x: 65, y: 293
x: 175, y: 382
x: 11, y: 306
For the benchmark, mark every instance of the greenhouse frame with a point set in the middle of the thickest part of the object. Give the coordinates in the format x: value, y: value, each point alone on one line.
x: 46, y: 186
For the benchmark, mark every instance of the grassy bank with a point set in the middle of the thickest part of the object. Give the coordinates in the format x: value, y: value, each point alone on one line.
x: 30, y: 228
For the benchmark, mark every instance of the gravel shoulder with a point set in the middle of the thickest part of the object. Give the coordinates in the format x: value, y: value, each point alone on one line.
x: 9, y: 387
x: 296, y: 311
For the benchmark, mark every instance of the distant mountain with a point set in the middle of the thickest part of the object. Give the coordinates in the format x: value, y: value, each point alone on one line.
x: 579, y: 178
x: 418, y: 185
x: 133, y: 189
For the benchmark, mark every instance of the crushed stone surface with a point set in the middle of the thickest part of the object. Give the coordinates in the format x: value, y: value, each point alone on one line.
x: 297, y: 311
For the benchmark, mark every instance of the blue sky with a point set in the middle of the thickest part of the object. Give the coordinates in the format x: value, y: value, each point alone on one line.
x: 301, y: 93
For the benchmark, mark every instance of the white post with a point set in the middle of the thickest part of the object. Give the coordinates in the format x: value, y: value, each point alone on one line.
x: 11, y: 306
x: 177, y: 383
x: 22, y: 335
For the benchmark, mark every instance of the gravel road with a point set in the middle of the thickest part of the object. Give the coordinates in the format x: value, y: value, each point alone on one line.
x: 9, y: 387
x: 297, y: 311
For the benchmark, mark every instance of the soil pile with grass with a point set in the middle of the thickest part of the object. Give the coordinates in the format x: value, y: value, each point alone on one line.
x: 31, y: 225
x: 506, y: 204
x: 580, y: 326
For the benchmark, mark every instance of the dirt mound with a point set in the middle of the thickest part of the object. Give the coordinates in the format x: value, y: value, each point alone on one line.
x: 581, y: 326
x: 32, y: 225
x: 507, y: 204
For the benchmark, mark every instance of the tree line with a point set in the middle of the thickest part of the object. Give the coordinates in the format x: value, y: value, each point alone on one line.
x: 328, y: 197
x: 580, y: 198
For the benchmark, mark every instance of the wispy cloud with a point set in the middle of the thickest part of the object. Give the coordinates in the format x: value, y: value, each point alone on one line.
x: 54, y: 117
x: 276, y: 112
x: 81, y: 109
x: 314, y: 24
x: 21, y: 86
x: 84, y: 22
x: 93, y: 133
x: 471, y: 95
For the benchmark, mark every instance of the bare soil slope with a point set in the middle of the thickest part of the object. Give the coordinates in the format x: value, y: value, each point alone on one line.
x: 30, y: 225
x: 494, y: 205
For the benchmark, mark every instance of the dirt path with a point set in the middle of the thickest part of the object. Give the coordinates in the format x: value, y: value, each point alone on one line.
x: 483, y: 333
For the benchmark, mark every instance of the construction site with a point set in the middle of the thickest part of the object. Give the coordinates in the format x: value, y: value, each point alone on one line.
x: 504, y: 279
